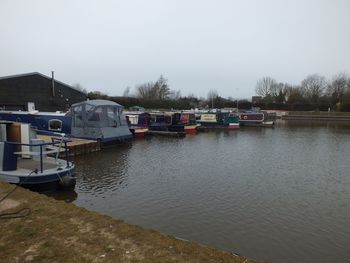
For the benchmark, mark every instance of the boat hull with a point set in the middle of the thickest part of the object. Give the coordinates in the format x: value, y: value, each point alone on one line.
x: 190, y: 129
x: 218, y: 126
x: 61, y: 178
x: 167, y: 128
x: 139, y: 132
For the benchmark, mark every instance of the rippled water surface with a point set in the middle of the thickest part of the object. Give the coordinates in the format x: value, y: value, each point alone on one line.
x: 279, y: 194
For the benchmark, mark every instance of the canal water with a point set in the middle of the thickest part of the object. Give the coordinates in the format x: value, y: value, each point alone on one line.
x: 280, y: 194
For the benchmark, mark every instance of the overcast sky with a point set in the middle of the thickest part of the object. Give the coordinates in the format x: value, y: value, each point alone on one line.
x: 197, y: 45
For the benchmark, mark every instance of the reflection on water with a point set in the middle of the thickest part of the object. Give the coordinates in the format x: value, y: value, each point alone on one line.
x: 277, y: 194
x: 103, y: 171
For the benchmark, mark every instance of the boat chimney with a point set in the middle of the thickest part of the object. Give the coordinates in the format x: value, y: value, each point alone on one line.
x: 53, y: 83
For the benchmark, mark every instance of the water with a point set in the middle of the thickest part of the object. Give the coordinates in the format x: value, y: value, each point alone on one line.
x: 279, y: 194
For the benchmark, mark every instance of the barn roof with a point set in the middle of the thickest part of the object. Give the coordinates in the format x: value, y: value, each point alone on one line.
x: 39, y: 74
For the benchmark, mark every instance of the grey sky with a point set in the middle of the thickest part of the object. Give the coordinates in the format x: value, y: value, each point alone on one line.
x: 198, y: 45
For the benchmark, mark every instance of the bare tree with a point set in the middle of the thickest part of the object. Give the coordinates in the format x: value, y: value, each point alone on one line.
x: 338, y: 87
x: 314, y: 86
x: 126, y: 92
x: 212, y: 95
x: 266, y: 87
x: 145, y: 91
x: 280, y: 92
x: 154, y: 90
x: 161, y: 88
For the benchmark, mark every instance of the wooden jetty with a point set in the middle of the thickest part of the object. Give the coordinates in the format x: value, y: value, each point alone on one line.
x: 76, y: 146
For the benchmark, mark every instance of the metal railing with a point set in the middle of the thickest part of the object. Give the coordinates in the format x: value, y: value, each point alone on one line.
x: 43, y: 149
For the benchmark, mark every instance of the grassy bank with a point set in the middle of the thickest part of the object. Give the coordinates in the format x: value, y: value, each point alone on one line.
x: 55, y: 231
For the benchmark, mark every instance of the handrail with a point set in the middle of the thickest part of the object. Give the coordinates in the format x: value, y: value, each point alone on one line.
x: 30, y: 144
x: 59, y: 141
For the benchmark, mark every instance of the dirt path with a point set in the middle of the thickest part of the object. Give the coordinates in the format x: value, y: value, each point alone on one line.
x: 55, y: 231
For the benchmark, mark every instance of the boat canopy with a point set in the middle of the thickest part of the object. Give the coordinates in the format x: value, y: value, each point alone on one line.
x: 97, y: 113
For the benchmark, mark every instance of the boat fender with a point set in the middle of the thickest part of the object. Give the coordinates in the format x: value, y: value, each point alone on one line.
x: 67, y: 182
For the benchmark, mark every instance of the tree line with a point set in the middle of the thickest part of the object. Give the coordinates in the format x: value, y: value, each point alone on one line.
x: 314, y: 92
x: 159, y: 95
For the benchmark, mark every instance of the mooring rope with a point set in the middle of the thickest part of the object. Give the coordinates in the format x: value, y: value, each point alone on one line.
x: 18, y: 213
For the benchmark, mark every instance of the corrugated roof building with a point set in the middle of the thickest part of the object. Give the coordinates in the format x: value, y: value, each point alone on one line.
x: 19, y: 92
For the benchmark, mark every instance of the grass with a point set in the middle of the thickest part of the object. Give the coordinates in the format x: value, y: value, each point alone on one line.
x: 59, y: 232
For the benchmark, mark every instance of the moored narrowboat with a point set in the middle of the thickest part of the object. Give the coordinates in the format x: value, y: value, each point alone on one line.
x: 188, y: 119
x: 257, y: 119
x: 138, y: 122
x: 166, y: 123
x: 41, y: 121
x: 218, y: 120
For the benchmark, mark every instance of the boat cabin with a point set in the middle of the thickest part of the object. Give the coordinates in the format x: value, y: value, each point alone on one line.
x: 101, y: 120
x: 166, y: 121
x: 138, y: 119
x: 188, y: 118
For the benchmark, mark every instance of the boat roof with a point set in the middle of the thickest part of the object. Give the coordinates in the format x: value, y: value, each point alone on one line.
x: 99, y: 103
x: 34, y: 113
x: 135, y: 112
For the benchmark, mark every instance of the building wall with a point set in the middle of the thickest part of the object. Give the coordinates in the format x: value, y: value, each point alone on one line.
x: 16, y: 92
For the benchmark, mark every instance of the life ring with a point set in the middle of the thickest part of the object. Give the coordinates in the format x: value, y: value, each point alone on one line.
x: 245, y: 117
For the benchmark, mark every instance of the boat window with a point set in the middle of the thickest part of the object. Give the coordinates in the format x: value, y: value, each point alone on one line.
x: 95, y: 115
x: 133, y: 119
x: 77, y: 116
x: 160, y: 119
x: 112, y: 117
x: 55, y: 125
x: 167, y: 119
x: 192, y: 119
x: 88, y: 109
x: 122, y: 120
x: 185, y: 118
x: 143, y: 120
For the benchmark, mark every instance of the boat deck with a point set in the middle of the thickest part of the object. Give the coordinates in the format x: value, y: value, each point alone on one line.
x: 31, y: 164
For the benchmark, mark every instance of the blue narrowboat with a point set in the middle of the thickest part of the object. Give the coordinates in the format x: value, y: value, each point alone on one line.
x: 41, y: 121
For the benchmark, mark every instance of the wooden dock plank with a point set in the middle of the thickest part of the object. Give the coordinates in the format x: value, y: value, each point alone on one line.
x: 76, y: 146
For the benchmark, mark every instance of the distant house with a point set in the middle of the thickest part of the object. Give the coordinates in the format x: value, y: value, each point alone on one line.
x: 35, y: 90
